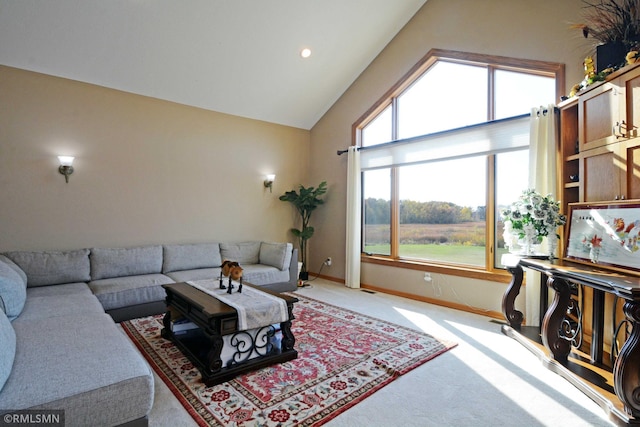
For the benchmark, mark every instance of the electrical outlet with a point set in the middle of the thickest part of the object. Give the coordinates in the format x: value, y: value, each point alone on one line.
x: 427, y: 277
x: 327, y: 262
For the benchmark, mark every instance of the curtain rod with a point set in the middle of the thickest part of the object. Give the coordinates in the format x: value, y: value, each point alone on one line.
x: 544, y: 111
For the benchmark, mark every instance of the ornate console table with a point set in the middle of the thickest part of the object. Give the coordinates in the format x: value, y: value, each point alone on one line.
x: 624, y: 406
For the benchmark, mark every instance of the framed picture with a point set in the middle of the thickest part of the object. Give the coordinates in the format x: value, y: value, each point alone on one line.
x: 605, y: 233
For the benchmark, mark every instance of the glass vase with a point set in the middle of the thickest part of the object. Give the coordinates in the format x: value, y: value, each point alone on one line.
x: 552, y: 244
x: 527, y: 246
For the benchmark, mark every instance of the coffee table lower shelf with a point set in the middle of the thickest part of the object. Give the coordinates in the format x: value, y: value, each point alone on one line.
x: 201, y: 351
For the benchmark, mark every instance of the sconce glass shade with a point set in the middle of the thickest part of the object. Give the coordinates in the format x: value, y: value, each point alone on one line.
x: 268, y: 182
x: 66, y: 167
x: 66, y: 160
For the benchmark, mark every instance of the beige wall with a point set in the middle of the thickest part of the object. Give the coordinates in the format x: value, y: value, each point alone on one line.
x: 521, y: 29
x: 146, y: 171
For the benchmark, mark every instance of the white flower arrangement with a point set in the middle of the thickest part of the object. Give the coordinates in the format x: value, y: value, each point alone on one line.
x: 531, y: 218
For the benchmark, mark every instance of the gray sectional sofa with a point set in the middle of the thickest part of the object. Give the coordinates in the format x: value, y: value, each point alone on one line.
x: 60, y: 347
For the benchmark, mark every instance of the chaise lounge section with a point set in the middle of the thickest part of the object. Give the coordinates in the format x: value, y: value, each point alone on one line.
x: 60, y: 347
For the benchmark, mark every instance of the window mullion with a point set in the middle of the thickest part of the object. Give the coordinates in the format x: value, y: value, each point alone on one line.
x: 491, y: 242
x: 491, y: 98
x: 491, y: 213
x: 395, y: 187
x: 395, y: 214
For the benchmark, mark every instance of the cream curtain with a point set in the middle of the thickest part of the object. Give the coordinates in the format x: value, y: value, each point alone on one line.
x: 352, y: 273
x: 542, y: 177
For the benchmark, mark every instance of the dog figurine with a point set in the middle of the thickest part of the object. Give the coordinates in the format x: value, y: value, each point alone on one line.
x: 233, y: 271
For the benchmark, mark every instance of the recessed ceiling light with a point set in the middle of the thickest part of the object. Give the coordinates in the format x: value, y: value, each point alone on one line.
x: 305, y: 53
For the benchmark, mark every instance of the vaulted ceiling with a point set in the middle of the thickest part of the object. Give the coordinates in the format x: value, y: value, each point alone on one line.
x: 240, y: 57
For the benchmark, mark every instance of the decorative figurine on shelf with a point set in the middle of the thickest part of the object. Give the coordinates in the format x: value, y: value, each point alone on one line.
x: 589, y: 68
x: 233, y: 271
x: 575, y: 89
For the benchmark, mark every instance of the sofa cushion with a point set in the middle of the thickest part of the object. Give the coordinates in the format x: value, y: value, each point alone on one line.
x: 53, y: 267
x: 277, y: 255
x: 242, y: 253
x: 190, y: 257
x: 196, y: 274
x: 91, y: 370
x: 118, y: 292
x: 119, y: 262
x: 59, y: 300
x: 7, y: 349
x: 13, y: 291
x: 259, y: 274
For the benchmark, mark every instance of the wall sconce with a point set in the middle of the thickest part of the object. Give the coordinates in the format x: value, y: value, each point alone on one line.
x: 66, y: 167
x: 269, y: 182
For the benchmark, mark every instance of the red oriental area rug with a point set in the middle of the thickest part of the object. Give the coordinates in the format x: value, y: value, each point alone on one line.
x: 343, y: 357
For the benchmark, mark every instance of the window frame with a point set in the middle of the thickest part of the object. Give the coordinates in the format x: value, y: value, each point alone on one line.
x: 492, y: 63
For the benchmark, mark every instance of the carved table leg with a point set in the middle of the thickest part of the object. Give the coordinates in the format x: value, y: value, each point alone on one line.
x: 214, y: 363
x: 626, y: 370
x: 513, y: 316
x: 288, y: 340
x: 166, y: 321
x: 552, y: 336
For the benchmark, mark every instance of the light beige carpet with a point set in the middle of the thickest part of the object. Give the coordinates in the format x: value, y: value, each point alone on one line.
x: 487, y: 380
x: 343, y: 358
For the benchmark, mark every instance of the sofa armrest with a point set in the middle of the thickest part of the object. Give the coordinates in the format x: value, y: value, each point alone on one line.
x: 290, y: 285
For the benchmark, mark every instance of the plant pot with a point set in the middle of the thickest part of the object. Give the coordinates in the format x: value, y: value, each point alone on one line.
x: 610, y: 54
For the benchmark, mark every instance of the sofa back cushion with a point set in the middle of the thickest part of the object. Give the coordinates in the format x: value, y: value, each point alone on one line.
x: 13, y: 289
x: 53, y: 267
x: 277, y: 255
x: 7, y: 349
x: 118, y: 262
x: 190, y: 257
x: 242, y: 253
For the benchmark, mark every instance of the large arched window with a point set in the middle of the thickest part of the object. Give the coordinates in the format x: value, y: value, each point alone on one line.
x: 438, y: 164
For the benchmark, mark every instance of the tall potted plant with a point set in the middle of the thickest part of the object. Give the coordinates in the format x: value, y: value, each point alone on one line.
x: 305, y: 200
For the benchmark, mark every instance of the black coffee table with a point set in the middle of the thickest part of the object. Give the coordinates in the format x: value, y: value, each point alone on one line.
x: 214, y: 319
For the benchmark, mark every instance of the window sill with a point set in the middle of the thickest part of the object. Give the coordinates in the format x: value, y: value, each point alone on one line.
x: 500, y: 276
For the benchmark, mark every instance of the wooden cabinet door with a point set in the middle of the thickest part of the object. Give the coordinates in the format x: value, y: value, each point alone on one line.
x: 631, y: 153
x: 599, y: 116
x: 600, y: 173
x: 611, y: 172
x: 630, y: 84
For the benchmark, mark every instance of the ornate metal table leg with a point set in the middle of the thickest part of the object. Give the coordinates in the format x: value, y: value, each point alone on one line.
x: 626, y: 370
x: 513, y: 316
x: 552, y: 331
